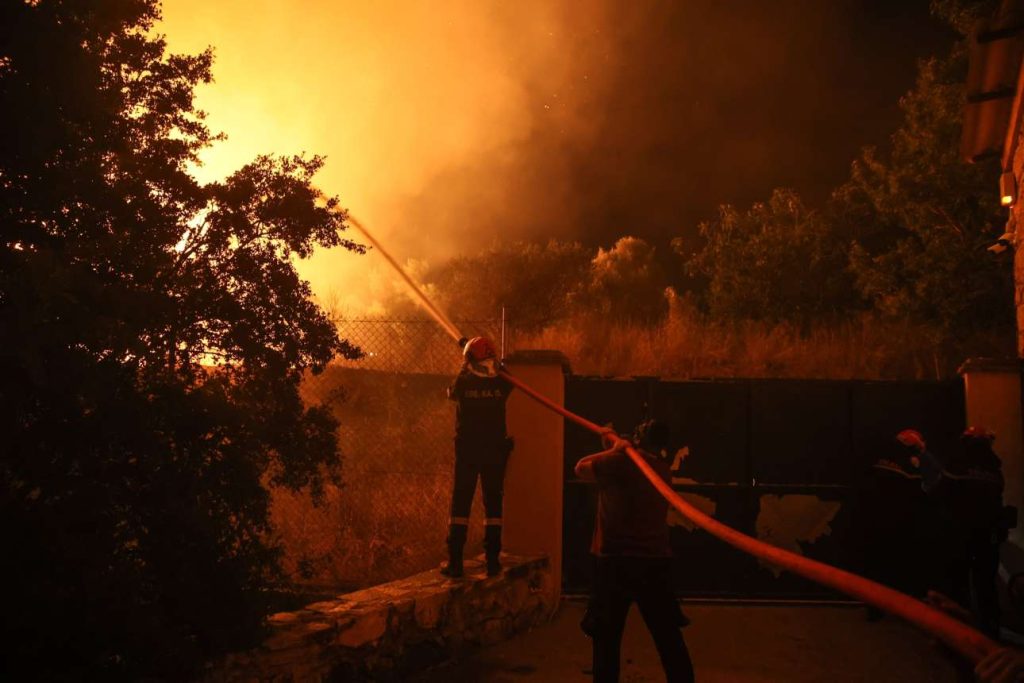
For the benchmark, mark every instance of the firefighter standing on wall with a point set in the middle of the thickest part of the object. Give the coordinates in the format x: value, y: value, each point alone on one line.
x: 482, y: 447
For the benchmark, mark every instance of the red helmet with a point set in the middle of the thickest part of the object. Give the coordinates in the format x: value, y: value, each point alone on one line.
x: 480, y: 356
x: 912, y: 439
x: 479, y: 349
x: 978, y: 433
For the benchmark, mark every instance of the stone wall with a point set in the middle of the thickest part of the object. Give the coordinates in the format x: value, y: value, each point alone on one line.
x: 385, y: 632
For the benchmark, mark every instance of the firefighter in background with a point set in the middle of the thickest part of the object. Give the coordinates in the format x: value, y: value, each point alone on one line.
x: 929, y: 519
x: 921, y: 458
x: 633, y: 558
x: 972, y: 490
x: 899, y: 519
x: 482, y: 447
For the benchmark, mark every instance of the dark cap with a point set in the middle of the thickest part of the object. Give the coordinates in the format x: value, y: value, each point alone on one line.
x: 652, y: 435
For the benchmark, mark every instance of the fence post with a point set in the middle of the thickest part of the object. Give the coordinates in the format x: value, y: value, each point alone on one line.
x: 533, y: 480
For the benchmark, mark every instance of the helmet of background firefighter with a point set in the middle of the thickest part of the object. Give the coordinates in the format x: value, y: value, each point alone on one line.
x: 909, y: 446
x: 911, y: 438
x: 980, y: 433
x: 976, y: 449
x: 652, y: 436
x: 480, y: 357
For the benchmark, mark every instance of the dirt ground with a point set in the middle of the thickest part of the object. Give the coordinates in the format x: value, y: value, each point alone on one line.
x: 727, y: 643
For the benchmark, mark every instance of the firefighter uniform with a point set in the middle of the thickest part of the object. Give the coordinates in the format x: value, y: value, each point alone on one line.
x: 482, y: 447
x: 899, y: 525
x: 972, y: 489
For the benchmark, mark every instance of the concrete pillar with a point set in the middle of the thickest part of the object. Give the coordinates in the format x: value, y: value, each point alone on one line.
x: 533, y: 480
x: 993, y: 390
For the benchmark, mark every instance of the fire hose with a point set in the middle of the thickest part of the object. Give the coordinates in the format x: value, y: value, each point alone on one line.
x: 960, y: 637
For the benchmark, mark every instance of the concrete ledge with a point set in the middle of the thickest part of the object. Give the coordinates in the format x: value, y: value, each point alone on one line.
x: 990, y: 365
x: 385, y: 632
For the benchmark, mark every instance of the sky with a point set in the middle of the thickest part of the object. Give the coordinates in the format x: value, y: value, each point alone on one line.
x: 450, y: 124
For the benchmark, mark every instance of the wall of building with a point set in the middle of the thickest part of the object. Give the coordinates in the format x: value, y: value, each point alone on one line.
x: 1017, y: 218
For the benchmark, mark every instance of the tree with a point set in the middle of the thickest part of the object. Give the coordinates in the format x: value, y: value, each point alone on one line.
x: 963, y: 15
x: 625, y: 282
x: 542, y: 283
x: 915, y: 219
x: 533, y: 281
x: 777, y: 261
x: 922, y: 218
x: 131, y: 476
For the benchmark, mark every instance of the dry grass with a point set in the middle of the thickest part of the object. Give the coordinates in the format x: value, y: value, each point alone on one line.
x: 686, y: 346
x: 389, y: 518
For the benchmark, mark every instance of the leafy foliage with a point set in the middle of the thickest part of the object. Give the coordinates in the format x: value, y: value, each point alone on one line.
x: 906, y: 235
x: 923, y: 218
x: 776, y: 261
x: 534, y: 281
x: 626, y: 282
x: 538, y: 284
x: 130, y: 482
x: 962, y: 15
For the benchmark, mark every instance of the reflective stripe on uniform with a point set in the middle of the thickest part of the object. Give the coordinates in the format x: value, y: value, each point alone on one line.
x: 492, y: 521
x: 461, y: 521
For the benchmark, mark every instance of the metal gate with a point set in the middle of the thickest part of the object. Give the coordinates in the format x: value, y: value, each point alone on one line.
x: 777, y: 459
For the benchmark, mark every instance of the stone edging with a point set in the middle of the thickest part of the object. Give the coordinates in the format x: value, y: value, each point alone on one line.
x: 383, y: 632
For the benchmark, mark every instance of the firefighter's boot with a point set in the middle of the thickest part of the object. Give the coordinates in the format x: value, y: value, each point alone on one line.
x: 456, y: 542
x: 492, y: 548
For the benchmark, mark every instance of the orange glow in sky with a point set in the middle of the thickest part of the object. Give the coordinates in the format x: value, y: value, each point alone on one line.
x: 393, y: 93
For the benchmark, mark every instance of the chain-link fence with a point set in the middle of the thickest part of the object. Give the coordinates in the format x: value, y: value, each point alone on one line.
x: 389, y: 517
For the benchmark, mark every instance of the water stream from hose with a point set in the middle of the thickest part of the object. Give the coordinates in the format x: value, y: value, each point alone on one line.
x: 415, y: 290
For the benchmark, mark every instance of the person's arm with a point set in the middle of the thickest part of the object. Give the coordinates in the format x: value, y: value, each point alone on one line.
x: 943, y: 602
x: 1005, y: 665
x: 454, y: 389
x: 585, y: 467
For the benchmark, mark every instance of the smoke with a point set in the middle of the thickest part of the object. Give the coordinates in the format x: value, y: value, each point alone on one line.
x: 450, y: 124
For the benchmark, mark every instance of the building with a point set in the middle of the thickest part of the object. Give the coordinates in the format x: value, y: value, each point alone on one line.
x: 993, y: 124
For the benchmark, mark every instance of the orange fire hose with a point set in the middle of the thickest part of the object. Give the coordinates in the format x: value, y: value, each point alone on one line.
x: 965, y: 640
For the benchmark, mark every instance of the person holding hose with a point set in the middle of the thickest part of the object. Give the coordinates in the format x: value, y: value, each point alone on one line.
x: 482, y: 447
x: 633, y: 559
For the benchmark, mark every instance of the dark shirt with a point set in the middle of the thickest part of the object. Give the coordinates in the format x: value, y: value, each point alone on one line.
x: 896, y: 505
x: 931, y: 471
x: 972, y: 488
x: 479, y: 406
x: 632, y: 517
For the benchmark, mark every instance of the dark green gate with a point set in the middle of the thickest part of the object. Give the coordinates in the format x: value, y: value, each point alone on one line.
x: 776, y: 459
